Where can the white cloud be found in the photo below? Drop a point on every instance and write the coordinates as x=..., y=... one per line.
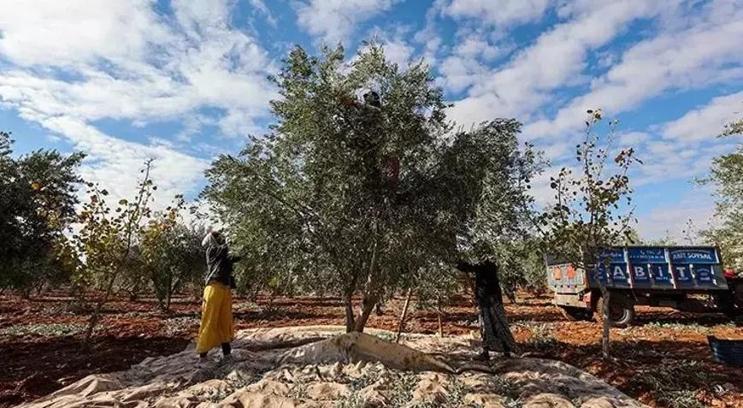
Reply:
x=671, y=220
x=72, y=32
x=706, y=122
x=260, y=7
x=428, y=36
x=335, y=20
x=499, y=12
x=707, y=51
x=70, y=63
x=459, y=73
x=468, y=63
x=556, y=59
x=398, y=52
x=115, y=163
x=475, y=45
x=201, y=62
x=633, y=138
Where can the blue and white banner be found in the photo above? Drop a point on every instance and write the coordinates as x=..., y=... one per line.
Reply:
x=683, y=273
x=703, y=273
x=640, y=273
x=646, y=255
x=693, y=256
x=660, y=273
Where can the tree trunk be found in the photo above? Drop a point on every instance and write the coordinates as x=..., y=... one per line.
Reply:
x=40, y=288
x=26, y=292
x=367, y=305
x=511, y=295
x=605, y=344
x=371, y=295
x=403, y=315
x=167, y=300
x=95, y=317
x=350, y=318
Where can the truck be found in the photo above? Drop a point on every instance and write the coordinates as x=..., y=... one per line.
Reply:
x=686, y=278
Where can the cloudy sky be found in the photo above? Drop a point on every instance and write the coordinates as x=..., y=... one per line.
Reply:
x=184, y=80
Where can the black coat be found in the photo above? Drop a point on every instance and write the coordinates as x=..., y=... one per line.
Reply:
x=494, y=329
x=487, y=285
x=219, y=265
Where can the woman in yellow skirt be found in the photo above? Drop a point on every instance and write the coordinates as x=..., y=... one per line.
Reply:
x=216, y=313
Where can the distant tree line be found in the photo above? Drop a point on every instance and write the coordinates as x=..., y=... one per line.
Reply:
x=50, y=239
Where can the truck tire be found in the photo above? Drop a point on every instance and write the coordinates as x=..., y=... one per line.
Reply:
x=621, y=313
x=576, y=313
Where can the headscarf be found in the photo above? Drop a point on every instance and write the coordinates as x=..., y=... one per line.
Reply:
x=209, y=240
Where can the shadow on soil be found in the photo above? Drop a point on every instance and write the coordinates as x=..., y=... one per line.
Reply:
x=59, y=361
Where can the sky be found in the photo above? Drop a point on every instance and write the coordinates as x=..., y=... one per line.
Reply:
x=183, y=81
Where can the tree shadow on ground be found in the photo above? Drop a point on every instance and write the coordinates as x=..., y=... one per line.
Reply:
x=35, y=367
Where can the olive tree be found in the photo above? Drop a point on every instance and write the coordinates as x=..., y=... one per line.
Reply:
x=170, y=252
x=37, y=205
x=362, y=180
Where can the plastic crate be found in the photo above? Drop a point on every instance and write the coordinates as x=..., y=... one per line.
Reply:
x=728, y=352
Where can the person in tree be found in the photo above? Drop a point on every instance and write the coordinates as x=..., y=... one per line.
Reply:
x=216, y=315
x=494, y=330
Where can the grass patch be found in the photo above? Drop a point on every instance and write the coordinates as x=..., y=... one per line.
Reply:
x=673, y=382
x=695, y=327
x=179, y=326
x=540, y=337
x=43, y=329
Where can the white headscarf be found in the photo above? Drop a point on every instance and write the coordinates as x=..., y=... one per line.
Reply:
x=209, y=240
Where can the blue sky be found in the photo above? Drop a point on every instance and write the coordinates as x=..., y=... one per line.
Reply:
x=182, y=81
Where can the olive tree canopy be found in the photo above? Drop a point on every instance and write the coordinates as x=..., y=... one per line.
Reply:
x=363, y=181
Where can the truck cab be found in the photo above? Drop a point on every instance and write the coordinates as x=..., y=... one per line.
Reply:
x=686, y=278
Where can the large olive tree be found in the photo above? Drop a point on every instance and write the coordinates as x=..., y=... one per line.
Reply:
x=362, y=180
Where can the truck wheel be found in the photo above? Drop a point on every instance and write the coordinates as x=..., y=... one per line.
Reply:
x=621, y=314
x=576, y=313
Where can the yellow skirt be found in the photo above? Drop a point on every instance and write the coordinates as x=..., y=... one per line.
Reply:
x=216, y=317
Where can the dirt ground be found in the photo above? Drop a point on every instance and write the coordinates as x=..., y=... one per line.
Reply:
x=663, y=360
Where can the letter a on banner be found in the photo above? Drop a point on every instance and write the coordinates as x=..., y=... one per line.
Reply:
x=618, y=273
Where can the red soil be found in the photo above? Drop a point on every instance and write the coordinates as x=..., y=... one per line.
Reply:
x=36, y=365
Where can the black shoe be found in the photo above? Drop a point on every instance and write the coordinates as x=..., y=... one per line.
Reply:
x=226, y=349
x=484, y=356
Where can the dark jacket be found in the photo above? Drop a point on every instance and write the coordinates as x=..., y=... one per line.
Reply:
x=219, y=265
x=487, y=285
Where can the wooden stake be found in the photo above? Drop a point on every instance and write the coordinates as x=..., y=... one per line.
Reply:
x=403, y=315
x=438, y=312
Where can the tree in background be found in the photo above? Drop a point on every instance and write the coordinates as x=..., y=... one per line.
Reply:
x=38, y=204
x=727, y=177
x=170, y=252
x=356, y=195
x=521, y=263
x=107, y=239
x=586, y=215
